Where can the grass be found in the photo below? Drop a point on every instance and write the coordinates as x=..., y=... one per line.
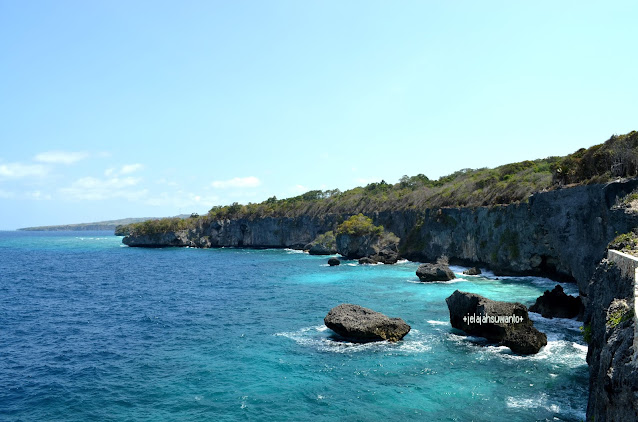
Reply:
x=618, y=317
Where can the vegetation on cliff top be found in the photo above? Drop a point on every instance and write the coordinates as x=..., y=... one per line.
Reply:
x=510, y=183
x=359, y=225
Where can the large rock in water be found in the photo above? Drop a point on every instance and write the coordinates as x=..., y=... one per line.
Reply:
x=472, y=271
x=505, y=323
x=557, y=304
x=333, y=262
x=363, y=325
x=435, y=272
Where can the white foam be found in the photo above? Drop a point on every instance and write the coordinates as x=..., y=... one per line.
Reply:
x=581, y=347
x=434, y=322
x=564, y=323
x=315, y=337
x=532, y=403
x=288, y=250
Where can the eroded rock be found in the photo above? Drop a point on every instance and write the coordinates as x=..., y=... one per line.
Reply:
x=505, y=323
x=557, y=304
x=435, y=272
x=361, y=324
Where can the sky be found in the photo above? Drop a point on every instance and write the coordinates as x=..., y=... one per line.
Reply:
x=114, y=109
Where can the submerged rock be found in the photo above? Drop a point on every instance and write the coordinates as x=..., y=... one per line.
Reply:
x=472, y=271
x=333, y=261
x=367, y=260
x=557, y=304
x=362, y=324
x=505, y=323
x=435, y=272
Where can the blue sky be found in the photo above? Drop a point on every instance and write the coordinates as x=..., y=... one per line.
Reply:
x=113, y=109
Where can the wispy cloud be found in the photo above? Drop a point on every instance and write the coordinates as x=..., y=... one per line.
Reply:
x=91, y=188
x=60, y=157
x=38, y=195
x=299, y=189
x=237, y=182
x=19, y=170
x=182, y=200
x=32, y=195
x=131, y=168
x=125, y=169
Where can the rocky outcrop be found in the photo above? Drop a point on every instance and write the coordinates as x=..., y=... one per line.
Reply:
x=361, y=324
x=324, y=244
x=435, y=272
x=557, y=304
x=561, y=233
x=609, y=330
x=366, y=260
x=334, y=262
x=383, y=249
x=505, y=323
x=472, y=271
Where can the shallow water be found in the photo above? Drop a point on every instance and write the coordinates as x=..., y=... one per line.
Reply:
x=92, y=329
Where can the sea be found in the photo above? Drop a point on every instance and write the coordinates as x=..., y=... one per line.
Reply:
x=93, y=330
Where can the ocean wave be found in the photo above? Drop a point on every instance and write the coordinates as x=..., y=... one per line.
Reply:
x=434, y=322
x=557, y=351
x=320, y=338
x=565, y=323
x=453, y=281
x=543, y=401
x=288, y=250
x=94, y=238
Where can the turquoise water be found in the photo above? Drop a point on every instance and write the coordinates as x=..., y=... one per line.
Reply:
x=94, y=330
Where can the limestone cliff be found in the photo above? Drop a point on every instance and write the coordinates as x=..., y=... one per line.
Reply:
x=613, y=368
x=560, y=233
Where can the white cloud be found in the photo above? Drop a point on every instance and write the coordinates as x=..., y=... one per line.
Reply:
x=300, y=189
x=33, y=195
x=37, y=195
x=60, y=157
x=125, y=169
x=182, y=200
x=163, y=181
x=237, y=182
x=18, y=170
x=131, y=168
x=91, y=188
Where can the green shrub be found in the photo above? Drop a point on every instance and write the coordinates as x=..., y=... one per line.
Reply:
x=359, y=225
x=586, y=330
x=619, y=316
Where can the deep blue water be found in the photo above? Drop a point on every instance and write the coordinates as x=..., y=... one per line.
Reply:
x=93, y=330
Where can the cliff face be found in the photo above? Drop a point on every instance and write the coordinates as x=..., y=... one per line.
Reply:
x=562, y=233
x=613, y=368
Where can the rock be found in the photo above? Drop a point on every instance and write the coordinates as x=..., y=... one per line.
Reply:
x=388, y=255
x=435, y=272
x=472, y=271
x=609, y=328
x=321, y=249
x=324, y=244
x=557, y=304
x=479, y=316
x=362, y=324
x=333, y=261
x=367, y=260
x=358, y=238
